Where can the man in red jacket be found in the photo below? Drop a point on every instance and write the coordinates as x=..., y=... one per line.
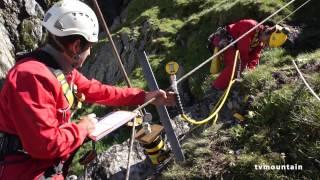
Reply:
x=37, y=135
x=250, y=47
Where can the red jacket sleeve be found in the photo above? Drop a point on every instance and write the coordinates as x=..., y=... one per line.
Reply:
x=96, y=92
x=35, y=119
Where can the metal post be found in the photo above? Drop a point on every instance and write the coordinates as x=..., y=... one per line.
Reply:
x=162, y=110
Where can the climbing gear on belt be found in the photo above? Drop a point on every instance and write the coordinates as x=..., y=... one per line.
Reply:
x=54, y=170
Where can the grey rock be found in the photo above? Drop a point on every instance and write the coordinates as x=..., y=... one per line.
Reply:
x=180, y=126
x=116, y=23
x=6, y=52
x=112, y=164
x=31, y=33
x=33, y=8
x=20, y=29
x=104, y=66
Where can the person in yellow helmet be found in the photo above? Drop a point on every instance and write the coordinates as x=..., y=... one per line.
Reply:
x=250, y=46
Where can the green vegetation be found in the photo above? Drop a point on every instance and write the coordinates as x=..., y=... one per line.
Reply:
x=28, y=42
x=283, y=128
x=179, y=30
x=284, y=123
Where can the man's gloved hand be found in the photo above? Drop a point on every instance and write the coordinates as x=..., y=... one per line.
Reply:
x=88, y=122
x=162, y=97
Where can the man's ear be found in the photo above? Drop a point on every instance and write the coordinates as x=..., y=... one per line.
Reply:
x=76, y=46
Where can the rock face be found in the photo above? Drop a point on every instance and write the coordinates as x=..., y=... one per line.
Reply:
x=104, y=57
x=113, y=163
x=20, y=30
x=103, y=65
x=112, y=9
x=6, y=55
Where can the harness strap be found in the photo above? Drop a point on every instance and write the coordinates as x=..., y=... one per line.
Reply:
x=67, y=91
x=71, y=93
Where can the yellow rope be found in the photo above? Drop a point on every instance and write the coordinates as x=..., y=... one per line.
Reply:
x=220, y=103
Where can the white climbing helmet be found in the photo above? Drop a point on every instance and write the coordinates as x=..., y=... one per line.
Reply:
x=72, y=17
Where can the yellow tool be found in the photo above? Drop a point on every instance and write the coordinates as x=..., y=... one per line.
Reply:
x=172, y=67
x=153, y=143
x=215, y=63
x=238, y=116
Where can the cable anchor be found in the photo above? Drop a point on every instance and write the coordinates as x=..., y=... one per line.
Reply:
x=172, y=68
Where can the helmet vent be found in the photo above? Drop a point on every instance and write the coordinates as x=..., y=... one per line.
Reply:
x=58, y=25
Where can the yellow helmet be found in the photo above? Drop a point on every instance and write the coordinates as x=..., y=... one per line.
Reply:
x=278, y=37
